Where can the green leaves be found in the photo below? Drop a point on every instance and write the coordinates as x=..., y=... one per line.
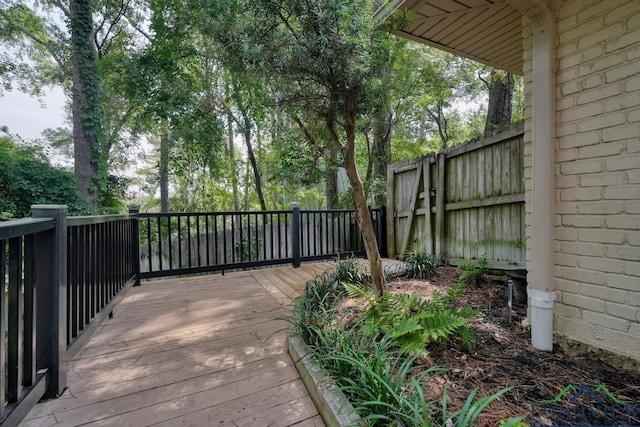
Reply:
x=421, y=265
x=27, y=178
x=375, y=358
x=411, y=322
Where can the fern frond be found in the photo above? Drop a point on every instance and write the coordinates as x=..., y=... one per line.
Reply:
x=403, y=328
x=440, y=325
x=466, y=336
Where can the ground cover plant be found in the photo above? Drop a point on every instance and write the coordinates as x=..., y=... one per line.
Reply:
x=437, y=350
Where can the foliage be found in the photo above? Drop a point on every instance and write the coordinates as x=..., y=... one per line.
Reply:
x=471, y=272
x=385, y=387
x=412, y=322
x=421, y=265
x=514, y=422
x=467, y=415
x=379, y=376
x=27, y=178
x=348, y=271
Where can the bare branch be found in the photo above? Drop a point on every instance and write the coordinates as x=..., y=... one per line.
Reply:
x=62, y=7
x=48, y=45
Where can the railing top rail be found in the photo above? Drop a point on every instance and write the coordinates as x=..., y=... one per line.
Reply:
x=74, y=221
x=218, y=213
x=230, y=213
x=26, y=226
x=337, y=211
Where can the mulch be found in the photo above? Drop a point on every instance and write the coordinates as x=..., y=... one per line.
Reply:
x=503, y=357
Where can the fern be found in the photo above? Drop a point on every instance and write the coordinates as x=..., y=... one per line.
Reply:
x=438, y=326
x=411, y=322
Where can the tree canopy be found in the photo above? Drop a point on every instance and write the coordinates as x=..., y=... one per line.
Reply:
x=239, y=104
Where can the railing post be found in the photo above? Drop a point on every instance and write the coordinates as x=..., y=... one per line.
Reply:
x=134, y=212
x=50, y=253
x=295, y=234
x=381, y=230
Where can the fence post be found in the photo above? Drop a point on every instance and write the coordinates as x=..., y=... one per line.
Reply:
x=295, y=234
x=50, y=252
x=134, y=213
x=440, y=207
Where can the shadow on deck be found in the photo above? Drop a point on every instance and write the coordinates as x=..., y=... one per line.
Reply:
x=207, y=350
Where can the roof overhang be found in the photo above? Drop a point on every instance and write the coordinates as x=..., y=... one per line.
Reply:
x=488, y=31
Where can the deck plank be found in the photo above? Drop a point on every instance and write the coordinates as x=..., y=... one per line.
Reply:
x=206, y=350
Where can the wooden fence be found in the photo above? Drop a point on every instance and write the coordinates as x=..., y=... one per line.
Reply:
x=463, y=203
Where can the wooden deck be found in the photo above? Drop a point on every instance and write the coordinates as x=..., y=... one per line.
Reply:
x=207, y=350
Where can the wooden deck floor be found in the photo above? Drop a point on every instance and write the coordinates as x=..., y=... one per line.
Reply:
x=207, y=350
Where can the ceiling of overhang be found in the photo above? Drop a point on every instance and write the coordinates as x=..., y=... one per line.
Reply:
x=488, y=31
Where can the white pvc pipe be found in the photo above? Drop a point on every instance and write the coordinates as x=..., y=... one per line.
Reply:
x=541, y=294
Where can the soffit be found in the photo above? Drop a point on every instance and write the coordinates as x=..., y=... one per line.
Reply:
x=488, y=31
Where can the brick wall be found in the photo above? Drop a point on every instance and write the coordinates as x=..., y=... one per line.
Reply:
x=597, y=246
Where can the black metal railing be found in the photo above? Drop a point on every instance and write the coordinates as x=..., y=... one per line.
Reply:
x=100, y=263
x=21, y=324
x=187, y=243
x=81, y=267
x=59, y=277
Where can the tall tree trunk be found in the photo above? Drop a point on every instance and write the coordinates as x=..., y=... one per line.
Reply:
x=252, y=159
x=331, y=184
x=500, y=103
x=232, y=161
x=164, y=167
x=381, y=153
x=86, y=103
x=363, y=216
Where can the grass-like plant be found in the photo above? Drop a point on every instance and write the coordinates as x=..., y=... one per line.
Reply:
x=314, y=311
x=471, y=273
x=385, y=387
x=467, y=415
x=348, y=271
x=421, y=265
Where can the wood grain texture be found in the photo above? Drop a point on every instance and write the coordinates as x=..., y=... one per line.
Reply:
x=206, y=350
x=479, y=202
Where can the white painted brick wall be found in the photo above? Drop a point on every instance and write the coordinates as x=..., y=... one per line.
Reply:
x=597, y=247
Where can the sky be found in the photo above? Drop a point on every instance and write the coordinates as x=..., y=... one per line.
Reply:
x=25, y=116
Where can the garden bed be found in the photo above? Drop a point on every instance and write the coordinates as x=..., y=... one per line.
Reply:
x=503, y=357
x=369, y=347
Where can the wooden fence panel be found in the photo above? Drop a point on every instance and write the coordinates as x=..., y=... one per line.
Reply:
x=481, y=187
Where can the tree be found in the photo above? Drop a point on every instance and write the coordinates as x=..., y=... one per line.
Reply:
x=27, y=178
x=501, y=86
x=86, y=103
x=320, y=57
x=170, y=82
x=45, y=52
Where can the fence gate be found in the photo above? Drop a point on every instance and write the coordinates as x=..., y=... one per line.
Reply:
x=463, y=203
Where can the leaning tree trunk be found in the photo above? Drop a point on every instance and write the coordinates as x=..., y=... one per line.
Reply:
x=85, y=102
x=500, y=100
x=254, y=163
x=363, y=216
